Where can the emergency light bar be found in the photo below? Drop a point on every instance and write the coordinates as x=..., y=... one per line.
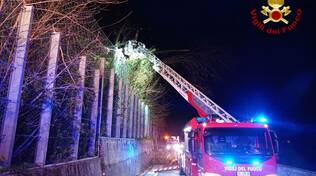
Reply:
x=202, y=120
x=262, y=119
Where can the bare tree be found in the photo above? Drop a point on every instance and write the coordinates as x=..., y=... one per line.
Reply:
x=81, y=35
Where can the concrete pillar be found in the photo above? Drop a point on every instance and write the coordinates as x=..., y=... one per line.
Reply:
x=135, y=114
x=94, y=114
x=78, y=109
x=139, y=117
x=146, y=121
x=125, y=116
x=119, y=110
x=142, y=122
x=150, y=123
x=47, y=106
x=109, y=108
x=131, y=116
x=100, y=99
x=9, y=121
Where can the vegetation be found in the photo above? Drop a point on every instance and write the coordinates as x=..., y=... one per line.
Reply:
x=80, y=35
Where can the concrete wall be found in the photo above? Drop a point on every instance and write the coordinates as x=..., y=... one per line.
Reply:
x=84, y=167
x=118, y=157
x=284, y=170
x=125, y=157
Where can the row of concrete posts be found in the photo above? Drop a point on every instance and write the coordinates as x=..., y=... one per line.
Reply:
x=132, y=116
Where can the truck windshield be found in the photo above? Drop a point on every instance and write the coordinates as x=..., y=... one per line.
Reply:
x=247, y=141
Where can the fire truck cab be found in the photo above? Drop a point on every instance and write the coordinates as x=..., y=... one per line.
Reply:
x=215, y=148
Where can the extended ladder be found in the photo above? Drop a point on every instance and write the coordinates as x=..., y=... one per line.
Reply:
x=184, y=88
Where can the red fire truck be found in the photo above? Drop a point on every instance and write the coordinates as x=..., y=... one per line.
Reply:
x=216, y=144
x=216, y=148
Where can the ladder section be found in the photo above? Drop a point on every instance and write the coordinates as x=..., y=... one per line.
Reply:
x=182, y=86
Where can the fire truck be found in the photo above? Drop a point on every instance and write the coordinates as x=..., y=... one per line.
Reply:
x=216, y=144
x=216, y=148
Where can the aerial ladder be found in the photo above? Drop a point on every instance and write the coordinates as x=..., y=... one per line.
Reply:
x=195, y=161
x=204, y=105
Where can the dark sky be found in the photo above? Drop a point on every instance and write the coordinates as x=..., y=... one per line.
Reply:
x=260, y=73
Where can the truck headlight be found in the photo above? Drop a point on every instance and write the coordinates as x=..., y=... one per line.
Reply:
x=178, y=147
x=168, y=147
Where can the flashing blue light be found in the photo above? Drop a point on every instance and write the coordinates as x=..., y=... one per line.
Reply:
x=261, y=119
x=201, y=119
x=229, y=162
x=131, y=151
x=256, y=162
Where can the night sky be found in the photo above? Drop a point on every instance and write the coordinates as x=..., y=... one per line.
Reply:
x=258, y=72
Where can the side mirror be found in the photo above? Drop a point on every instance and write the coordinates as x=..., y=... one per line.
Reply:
x=275, y=142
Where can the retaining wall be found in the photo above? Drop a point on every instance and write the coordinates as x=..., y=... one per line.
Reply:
x=84, y=167
x=118, y=157
x=125, y=157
